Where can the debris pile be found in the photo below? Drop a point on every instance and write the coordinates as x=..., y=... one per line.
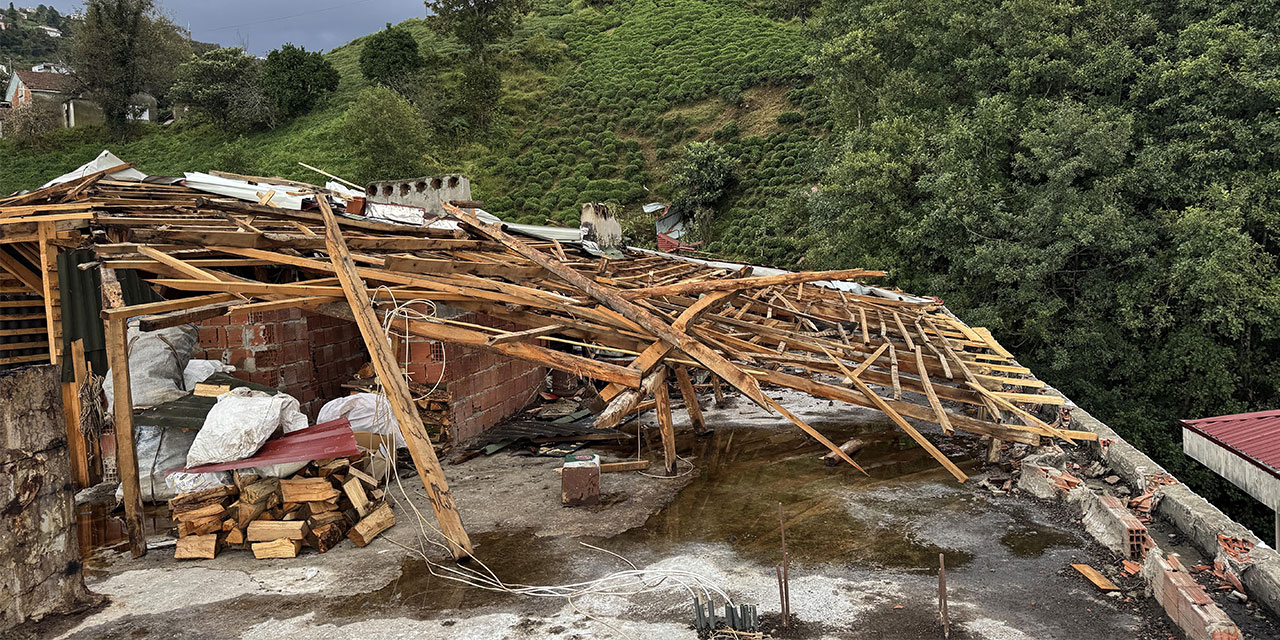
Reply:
x=319, y=506
x=628, y=320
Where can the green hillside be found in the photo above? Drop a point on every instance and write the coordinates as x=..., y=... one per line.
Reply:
x=598, y=102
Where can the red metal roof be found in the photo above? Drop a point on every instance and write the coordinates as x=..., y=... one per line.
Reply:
x=1252, y=436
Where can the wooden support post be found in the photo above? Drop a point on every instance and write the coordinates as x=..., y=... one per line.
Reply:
x=943, y=614
x=690, y=400
x=665, y=425
x=717, y=389
x=77, y=446
x=50, y=291
x=397, y=390
x=117, y=339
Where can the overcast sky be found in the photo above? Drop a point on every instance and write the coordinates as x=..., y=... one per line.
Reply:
x=262, y=25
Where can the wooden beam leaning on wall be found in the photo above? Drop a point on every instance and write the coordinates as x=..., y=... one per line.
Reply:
x=117, y=341
x=397, y=390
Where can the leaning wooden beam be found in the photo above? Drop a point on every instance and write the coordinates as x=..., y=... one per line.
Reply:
x=738, y=284
x=527, y=334
x=665, y=424
x=625, y=403
x=933, y=396
x=655, y=352
x=690, y=400
x=883, y=406
x=21, y=272
x=397, y=390
x=117, y=342
x=804, y=426
x=649, y=322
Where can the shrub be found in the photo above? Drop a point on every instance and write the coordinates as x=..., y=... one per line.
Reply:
x=224, y=85
x=480, y=91
x=387, y=135
x=390, y=55
x=295, y=79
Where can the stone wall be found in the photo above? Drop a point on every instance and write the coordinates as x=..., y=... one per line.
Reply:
x=40, y=566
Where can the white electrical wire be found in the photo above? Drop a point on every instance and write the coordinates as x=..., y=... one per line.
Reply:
x=626, y=583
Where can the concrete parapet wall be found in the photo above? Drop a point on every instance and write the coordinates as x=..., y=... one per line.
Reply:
x=1177, y=504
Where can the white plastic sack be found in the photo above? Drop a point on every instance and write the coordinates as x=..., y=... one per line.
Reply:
x=366, y=412
x=198, y=371
x=182, y=482
x=240, y=423
x=157, y=360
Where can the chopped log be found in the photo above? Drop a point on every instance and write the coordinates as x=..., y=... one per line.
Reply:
x=320, y=506
x=325, y=537
x=278, y=548
x=235, y=536
x=202, y=547
x=258, y=491
x=849, y=448
x=246, y=513
x=355, y=493
x=200, y=526
x=198, y=499
x=321, y=519
x=367, y=479
x=307, y=490
x=379, y=519
x=332, y=467
x=260, y=530
x=216, y=508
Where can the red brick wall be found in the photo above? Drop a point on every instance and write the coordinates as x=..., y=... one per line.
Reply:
x=485, y=388
x=309, y=356
x=306, y=355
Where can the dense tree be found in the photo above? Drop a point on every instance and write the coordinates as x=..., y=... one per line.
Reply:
x=294, y=79
x=122, y=48
x=1096, y=181
x=387, y=135
x=224, y=86
x=478, y=23
x=480, y=90
x=701, y=179
x=389, y=55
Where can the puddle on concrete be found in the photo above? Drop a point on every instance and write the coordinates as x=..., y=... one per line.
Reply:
x=744, y=474
x=1031, y=541
x=518, y=558
x=100, y=531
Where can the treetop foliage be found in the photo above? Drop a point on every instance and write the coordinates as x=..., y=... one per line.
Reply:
x=296, y=79
x=122, y=48
x=389, y=55
x=478, y=23
x=1096, y=181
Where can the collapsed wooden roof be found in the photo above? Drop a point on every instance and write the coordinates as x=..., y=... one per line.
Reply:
x=632, y=321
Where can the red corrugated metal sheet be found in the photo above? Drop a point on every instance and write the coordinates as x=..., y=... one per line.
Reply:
x=331, y=439
x=1252, y=436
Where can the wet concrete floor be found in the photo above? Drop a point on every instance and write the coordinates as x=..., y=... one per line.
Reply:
x=864, y=554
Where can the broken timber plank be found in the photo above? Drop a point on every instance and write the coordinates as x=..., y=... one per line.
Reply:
x=397, y=390
x=117, y=343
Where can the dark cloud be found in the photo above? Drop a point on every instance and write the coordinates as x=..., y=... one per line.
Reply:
x=262, y=25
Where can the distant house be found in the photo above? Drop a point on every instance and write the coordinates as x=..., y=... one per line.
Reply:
x=53, y=33
x=51, y=67
x=64, y=93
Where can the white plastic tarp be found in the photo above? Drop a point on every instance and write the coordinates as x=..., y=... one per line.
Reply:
x=242, y=190
x=104, y=161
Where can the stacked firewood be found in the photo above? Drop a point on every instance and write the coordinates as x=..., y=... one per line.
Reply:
x=325, y=502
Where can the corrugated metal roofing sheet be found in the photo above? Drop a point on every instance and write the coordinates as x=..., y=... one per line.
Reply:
x=1253, y=436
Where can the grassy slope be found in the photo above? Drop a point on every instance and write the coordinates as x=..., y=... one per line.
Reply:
x=597, y=105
